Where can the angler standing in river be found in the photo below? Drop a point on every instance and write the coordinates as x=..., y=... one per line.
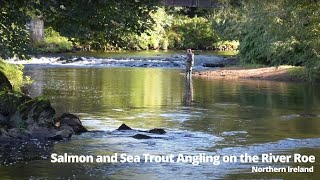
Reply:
x=189, y=63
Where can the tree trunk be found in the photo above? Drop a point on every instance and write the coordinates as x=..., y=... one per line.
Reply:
x=36, y=30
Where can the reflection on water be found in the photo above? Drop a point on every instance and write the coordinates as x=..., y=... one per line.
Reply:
x=188, y=95
x=148, y=54
x=215, y=117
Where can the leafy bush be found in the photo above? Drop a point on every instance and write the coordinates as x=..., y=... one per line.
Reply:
x=171, y=30
x=195, y=33
x=15, y=75
x=226, y=45
x=154, y=38
x=53, y=43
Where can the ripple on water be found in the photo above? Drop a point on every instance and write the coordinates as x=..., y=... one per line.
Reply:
x=118, y=110
x=172, y=141
x=233, y=133
x=181, y=117
x=278, y=146
x=183, y=114
x=226, y=104
x=294, y=116
x=105, y=124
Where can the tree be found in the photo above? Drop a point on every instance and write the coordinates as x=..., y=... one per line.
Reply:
x=102, y=21
x=86, y=21
x=14, y=36
x=274, y=32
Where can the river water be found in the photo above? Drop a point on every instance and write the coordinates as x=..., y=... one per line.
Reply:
x=215, y=117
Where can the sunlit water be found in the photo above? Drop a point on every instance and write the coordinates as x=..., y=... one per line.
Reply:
x=217, y=118
x=148, y=54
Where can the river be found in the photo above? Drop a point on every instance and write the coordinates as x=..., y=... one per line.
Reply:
x=215, y=117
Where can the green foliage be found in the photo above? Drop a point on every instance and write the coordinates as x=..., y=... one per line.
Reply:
x=14, y=37
x=274, y=32
x=195, y=33
x=226, y=45
x=174, y=30
x=53, y=42
x=153, y=38
x=15, y=75
x=297, y=72
x=104, y=25
x=101, y=22
x=89, y=22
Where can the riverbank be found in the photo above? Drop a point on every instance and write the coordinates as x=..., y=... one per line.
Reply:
x=281, y=73
x=206, y=65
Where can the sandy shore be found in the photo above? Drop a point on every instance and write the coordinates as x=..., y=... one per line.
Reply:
x=281, y=73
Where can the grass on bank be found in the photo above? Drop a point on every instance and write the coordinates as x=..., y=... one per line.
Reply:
x=298, y=72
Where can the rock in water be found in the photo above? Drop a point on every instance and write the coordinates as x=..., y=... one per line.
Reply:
x=61, y=135
x=4, y=135
x=141, y=136
x=308, y=115
x=4, y=82
x=157, y=131
x=124, y=127
x=3, y=120
x=35, y=112
x=79, y=59
x=23, y=118
x=10, y=101
x=70, y=122
x=40, y=133
x=213, y=65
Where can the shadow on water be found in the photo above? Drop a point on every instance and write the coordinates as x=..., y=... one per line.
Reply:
x=200, y=116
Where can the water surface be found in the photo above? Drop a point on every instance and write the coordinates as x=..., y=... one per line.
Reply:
x=147, y=54
x=216, y=117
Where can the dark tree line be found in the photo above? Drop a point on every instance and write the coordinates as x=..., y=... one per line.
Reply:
x=84, y=20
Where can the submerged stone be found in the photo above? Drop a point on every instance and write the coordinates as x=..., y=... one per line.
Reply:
x=308, y=115
x=79, y=59
x=213, y=65
x=141, y=136
x=61, y=135
x=157, y=131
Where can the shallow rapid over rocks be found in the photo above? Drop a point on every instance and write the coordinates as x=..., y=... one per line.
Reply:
x=161, y=61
